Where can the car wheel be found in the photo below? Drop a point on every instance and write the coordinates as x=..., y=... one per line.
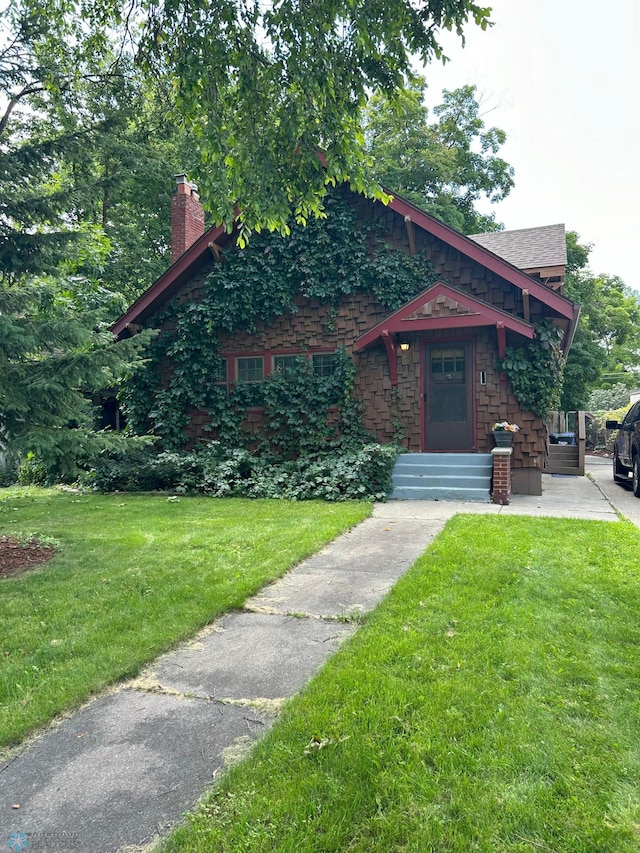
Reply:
x=619, y=472
x=636, y=476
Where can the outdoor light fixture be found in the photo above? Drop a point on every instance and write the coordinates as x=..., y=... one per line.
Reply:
x=404, y=346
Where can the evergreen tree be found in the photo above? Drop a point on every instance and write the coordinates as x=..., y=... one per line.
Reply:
x=55, y=356
x=56, y=353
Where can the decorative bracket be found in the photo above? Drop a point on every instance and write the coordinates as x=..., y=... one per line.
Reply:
x=216, y=251
x=389, y=345
x=502, y=348
x=410, y=234
x=502, y=339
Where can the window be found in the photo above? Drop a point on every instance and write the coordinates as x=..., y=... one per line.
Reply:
x=250, y=369
x=325, y=363
x=632, y=416
x=447, y=365
x=285, y=363
x=221, y=374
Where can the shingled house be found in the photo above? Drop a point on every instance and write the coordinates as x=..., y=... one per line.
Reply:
x=432, y=363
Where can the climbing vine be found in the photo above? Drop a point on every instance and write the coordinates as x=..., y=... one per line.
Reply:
x=535, y=372
x=326, y=260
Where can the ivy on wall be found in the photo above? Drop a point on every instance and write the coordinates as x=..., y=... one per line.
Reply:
x=326, y=260
x=535, y=372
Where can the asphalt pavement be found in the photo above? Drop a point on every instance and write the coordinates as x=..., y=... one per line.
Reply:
x=119, y=773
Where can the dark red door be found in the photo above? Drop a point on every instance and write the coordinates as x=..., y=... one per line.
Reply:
x=448, y=397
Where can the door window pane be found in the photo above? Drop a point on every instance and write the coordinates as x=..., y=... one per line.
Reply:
x=447, y=365
x=448, y=403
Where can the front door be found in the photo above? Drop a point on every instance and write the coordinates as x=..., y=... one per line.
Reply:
x=448, y=397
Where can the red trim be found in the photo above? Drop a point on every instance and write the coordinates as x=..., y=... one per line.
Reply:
x=165, y=287
x=423, y=378
x=267, y=357
x=484, y=315
x=169, y=282
x=391, y=357
x=482, y=256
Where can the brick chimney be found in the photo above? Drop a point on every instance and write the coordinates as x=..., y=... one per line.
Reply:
x=187, y=217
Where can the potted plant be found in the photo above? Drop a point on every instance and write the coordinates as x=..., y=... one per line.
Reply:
x=503, y=433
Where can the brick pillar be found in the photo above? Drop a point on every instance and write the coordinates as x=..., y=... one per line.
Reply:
x=187, y=218
x=501, y=491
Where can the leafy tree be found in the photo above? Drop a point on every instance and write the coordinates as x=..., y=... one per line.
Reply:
x=263, y=86
x=266, y=85
x=607, y=399
x=122, y=175
x=607, y=339
x=444, y=166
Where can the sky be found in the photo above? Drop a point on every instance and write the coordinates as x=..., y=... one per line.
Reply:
x=562, y=79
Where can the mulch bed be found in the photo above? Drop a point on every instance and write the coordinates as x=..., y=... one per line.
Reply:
x=17, y=556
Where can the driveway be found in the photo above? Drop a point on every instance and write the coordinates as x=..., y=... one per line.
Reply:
x=600, y=471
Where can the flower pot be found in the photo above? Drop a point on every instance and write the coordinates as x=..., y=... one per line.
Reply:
x=503, y=437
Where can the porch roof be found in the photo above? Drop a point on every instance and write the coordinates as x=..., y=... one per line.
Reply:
x=468, y=312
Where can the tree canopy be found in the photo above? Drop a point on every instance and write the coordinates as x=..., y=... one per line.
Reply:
x=444, y=166
x=262, y=86
x=67, y=149
x=607, y=341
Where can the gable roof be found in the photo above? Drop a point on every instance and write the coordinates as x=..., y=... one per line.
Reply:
x=463, y=310
x=527, y=248
x=169, y=283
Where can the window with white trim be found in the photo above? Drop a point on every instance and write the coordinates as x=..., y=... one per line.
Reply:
x=285, y=364
x=250, y=369
x=325, y=363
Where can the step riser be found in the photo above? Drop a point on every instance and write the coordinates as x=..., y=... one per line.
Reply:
x=440, y=471
x=442, y=494
x=442, y=458
x=440, y=480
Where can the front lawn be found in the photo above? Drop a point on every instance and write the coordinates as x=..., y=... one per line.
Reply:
x=491, y=703
x=135, y=574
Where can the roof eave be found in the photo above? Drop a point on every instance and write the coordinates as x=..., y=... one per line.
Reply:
x=483, y=256
x=164, y=287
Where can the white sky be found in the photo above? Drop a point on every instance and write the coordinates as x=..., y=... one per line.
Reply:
x=562, y=78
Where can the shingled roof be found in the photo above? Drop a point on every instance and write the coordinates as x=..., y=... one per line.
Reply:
x=527, y=248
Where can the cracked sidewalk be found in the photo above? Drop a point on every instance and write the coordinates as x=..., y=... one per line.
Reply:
x=118, y=773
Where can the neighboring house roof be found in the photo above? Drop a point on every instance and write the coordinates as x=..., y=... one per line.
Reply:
x=169, y=283
x=527, y=248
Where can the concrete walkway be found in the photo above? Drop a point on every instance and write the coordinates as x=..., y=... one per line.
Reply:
x=118, y=773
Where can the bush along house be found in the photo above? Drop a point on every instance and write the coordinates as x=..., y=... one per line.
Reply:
x=424, y=338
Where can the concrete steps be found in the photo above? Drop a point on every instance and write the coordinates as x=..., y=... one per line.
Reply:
x=442, y=476
x=563, y=459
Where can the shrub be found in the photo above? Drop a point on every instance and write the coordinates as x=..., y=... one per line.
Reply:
x=32, y=471
x=363, y=474
x=608, y=399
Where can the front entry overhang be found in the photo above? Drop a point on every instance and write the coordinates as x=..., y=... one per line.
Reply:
x=441, y=306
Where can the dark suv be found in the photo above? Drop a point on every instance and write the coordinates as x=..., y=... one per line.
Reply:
x=626, y=450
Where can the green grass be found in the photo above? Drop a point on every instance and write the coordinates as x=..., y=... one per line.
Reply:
x=491, y=703
x=135, y=575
